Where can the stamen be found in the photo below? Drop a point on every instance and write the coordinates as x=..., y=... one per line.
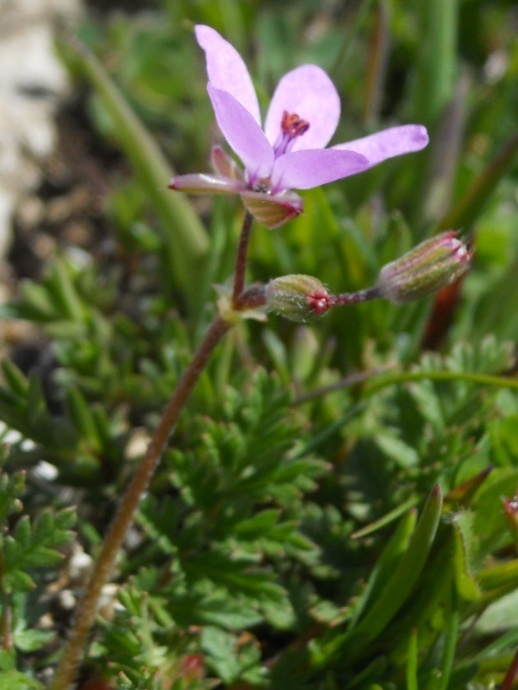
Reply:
x=292, y=126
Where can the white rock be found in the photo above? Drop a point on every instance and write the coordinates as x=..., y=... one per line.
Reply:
x=33, y=82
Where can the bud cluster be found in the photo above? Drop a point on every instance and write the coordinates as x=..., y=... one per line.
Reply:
x=430, y=266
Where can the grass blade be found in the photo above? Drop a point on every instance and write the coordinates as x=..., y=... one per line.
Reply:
x=184, y=236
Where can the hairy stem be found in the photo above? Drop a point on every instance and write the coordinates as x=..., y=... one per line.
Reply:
x=239, y=277
x=103, y=568
x=347, y=298
x=511, y=674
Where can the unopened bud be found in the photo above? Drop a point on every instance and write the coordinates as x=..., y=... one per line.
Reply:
x=432, y=265
x=297, y=297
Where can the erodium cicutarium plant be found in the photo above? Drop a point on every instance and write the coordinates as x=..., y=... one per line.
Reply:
x=290, y=152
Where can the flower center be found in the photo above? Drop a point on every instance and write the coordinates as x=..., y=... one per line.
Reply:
x=292, y=126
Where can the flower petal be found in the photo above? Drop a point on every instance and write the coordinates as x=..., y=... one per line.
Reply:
x=224, y=165
x=308, y=169
x=226, y=69
x=310, y=93
x=243, y=133
x=270, y=210
x=388, y=143
x=199, y=183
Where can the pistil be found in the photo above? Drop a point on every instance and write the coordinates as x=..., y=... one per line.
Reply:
x=292, y=126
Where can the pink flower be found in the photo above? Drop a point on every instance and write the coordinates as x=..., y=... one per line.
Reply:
x=290, y=152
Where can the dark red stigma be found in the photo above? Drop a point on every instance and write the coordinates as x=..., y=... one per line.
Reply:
x=319, y=302
x=293, y=125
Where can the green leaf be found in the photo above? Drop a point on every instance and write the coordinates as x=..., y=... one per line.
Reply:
x=34, y=546
x=470, y=205
x=464, y=538
x=11, y=488
x=386, y=520
x=450, y=642
x=396, y=591
x=259, y=524
x=82, y=416
x=412, y=662
x=65, y=293
x=397, y=450
x=227, y=657
x=15, y=680
x=386, y=563
x=499, y=575
x=406, y=572
x=31, y=640
x=499, y=616
x=16, y=381
x=7, y=660
x=436, y=70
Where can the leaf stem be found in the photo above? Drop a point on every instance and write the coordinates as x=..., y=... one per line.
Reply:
x=453, y=376
x=384, y=381
x=103, y=568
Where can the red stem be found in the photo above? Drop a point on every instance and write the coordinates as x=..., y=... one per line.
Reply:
x=103, y=568
x=347, y=298
x=511, y=674
x=239, y=277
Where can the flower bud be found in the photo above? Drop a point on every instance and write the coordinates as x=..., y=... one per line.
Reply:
x=297, y=297
x=432, y=265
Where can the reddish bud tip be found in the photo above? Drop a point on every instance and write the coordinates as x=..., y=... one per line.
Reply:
x=298, y=297
x=430, y=266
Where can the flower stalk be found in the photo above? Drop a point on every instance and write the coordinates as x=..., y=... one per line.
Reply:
x=104, y=566
x=242, y=250
x=347, y=298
